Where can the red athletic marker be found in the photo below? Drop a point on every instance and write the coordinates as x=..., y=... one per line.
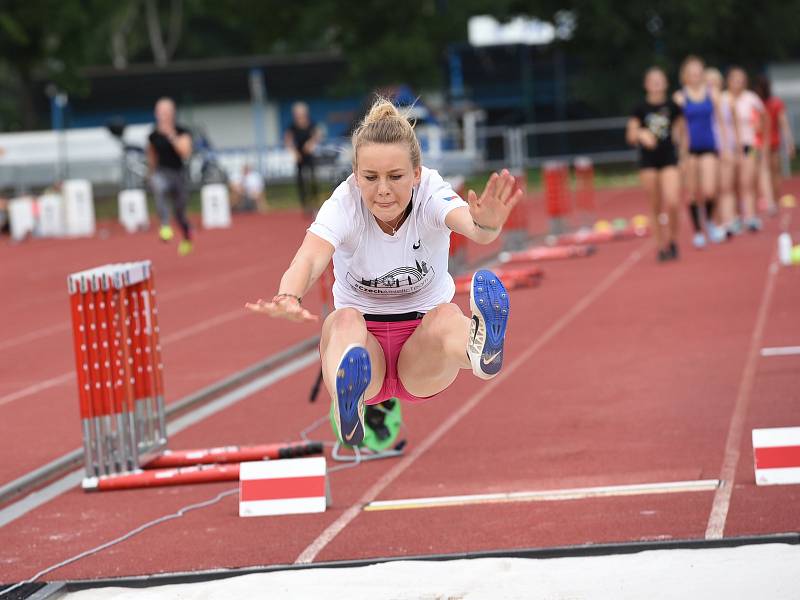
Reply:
x=776, y=455
x=282, y=487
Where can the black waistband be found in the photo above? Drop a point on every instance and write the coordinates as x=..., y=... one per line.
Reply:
x=411, y=316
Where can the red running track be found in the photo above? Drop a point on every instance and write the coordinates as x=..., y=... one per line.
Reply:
x=619, y=370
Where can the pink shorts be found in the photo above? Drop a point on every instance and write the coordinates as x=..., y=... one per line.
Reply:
x=391, y=336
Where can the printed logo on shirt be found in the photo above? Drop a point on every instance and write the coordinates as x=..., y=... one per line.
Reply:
x=417, y=245
x=399, y=281
x=449, y=198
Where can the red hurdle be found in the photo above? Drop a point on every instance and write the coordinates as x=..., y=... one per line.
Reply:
x=121, y=389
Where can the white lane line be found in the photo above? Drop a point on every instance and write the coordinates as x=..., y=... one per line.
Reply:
x=781, y=351
x=33, y=335
x=315, y=547
x=203, y=325
x=174, y=337
x=36, y=499
x=722, y=497
x=37, y=387
x=639, y=489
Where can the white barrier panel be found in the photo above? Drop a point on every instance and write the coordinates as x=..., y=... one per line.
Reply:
x=51, y=216
x=282, y=487
x=133, y=210
x=78, y=207
x=216, y=207
x=21, y=217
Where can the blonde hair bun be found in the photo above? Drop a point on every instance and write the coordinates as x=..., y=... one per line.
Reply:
x=382, y=109
x=385, y=124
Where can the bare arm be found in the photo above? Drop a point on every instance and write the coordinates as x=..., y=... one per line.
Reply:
x=460, y=221
x=632, y=131
x=723, y=133
x=486, y=215
x=183, y=145
x=786, y=132
x=312, y=142
x=151, y=156
x=307, y=265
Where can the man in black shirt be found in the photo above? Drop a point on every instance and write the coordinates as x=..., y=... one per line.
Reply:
x=169, y=145
x=301, y=138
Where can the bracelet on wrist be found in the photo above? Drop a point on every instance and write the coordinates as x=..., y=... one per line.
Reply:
x=298, y=298
x=484, y=227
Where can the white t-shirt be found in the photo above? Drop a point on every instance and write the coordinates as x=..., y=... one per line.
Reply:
x=378, y=273
x=252, y=183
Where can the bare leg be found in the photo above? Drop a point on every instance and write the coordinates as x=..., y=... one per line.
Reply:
x=765, y=187
x=748, y=167
x=434, y=354
x=709, y=185
x=727, y=198
x=775, y=172
x=671, y=199
x=649, y=179
x=342, y=328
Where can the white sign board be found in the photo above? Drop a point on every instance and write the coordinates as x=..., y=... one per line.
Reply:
x=282, y=487
x=78, y=207
x=133, y=210
x=21, y=217
x=216, y=207
x=51, y=216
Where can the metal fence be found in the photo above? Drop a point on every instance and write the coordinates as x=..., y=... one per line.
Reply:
x=36, y=160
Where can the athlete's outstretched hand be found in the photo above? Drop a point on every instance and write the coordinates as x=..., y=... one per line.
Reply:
x=492, y=208
x=285, y=307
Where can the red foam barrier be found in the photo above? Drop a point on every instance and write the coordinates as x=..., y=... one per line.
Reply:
x=231, y=454
x=163, y=477
x=540, y=253
x=511, y=278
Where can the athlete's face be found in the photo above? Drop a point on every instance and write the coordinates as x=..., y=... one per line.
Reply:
x=386, y=177
x=655, y=83
x=693, y=73
x=713, y=80
x=737, y=81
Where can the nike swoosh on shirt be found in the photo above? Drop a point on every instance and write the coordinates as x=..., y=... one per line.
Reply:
x=490, y=360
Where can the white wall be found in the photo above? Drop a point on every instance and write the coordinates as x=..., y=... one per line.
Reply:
x=231, y=125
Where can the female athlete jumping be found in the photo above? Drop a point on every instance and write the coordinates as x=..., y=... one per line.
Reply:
x=394, y=332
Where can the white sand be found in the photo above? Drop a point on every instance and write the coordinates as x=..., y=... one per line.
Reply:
x=768, y=571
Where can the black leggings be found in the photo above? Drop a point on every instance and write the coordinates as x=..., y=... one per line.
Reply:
x=171, y=187
x=305, y=180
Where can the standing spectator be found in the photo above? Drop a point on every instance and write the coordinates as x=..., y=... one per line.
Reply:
x=776, y=131
x=247, y=191
x=169, y=145
x=302, y=138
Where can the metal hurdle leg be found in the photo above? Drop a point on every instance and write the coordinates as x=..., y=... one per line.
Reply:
x=155, y=357
x=82, y=372
x=127, y=371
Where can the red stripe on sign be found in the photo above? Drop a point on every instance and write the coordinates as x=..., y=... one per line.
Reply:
x=779, y=457
x=278, y=489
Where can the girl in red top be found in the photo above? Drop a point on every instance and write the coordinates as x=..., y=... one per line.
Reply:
x=777, y=131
